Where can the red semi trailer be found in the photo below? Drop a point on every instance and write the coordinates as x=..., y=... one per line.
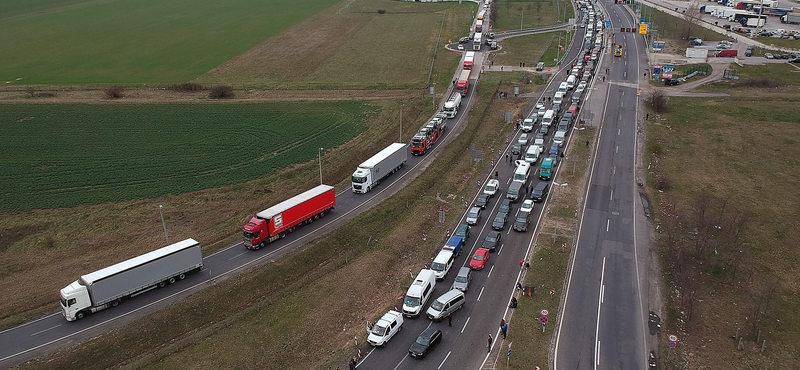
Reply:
x=462, y=85
x=274, y=222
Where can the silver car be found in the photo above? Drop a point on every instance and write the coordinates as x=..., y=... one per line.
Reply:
x=462, y=279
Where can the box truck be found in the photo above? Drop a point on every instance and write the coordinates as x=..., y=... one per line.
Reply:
x=728, y=53
x=109, y=286
x=462, y=85
x=454, y=244
x=274, y=222
x=469, y=59
x=370, y=173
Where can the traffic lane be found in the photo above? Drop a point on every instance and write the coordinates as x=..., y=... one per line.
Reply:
x=577, y=335
x=619, y=348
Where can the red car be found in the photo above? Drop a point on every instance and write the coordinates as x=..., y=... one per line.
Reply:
x=478, y=261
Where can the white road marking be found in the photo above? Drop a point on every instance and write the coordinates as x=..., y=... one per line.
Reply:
x=445, y=359
x=465, y=326
x=42, y=331
x=500, y=250
x=597, y=327
x=616, y=149
x=401, y=361
x=236, y=256
x=480, y=294
x=608, y=224
x=490, y=274
x=612, y=195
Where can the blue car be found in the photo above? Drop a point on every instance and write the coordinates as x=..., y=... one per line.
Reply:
x=554, y=149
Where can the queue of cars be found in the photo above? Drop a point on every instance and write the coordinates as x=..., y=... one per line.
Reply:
x=421, y=290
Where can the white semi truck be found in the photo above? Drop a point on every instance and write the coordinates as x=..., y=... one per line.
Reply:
x=109, y=286
x=370, y=173
x=476, y=42
x=451, y=105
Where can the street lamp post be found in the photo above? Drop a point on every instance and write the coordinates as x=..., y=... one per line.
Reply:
x=319, y=153
x=164, y=224
x=401, y=123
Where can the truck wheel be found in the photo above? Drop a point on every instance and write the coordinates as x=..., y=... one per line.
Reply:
x=181, y=276
x=261, y=245
x=172, y=280
x=310, y=220
x=282, y=235
x=79, y=315
x=162, y=284
x=115, y=303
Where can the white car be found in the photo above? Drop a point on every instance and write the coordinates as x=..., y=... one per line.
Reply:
x=581, y=87
x=491, y=187
x=523, y=140
x=460, y=47
x=527, y=206
x=390, y=324
x=540, y=109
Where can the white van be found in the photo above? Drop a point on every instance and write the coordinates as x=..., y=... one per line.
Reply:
x=522, y=171
x=548, y=117
x=527, y=125
x=562, y=88
x=559, y=138
x=532, y=155
x=442, y=263
x=419, y=292
x=446, y=304
x=571, y=82
x=559, y=97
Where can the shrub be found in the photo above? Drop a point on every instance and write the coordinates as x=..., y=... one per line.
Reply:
x=381, y=11
x=114, y=92
x=221, y=92
x=186, y=86
x=757, y=82
x=663, y=182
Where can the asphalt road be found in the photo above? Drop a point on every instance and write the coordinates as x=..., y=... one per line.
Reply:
x=602, y=326
x=465, y=343
x=53, y=332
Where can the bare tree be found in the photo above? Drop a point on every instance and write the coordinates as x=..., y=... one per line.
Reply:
x=690, y=20
x=764, y=299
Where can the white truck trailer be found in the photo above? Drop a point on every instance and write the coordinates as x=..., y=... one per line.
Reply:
x=370, y=173
x=476, y=42
x=451, y=105
x=109, y=286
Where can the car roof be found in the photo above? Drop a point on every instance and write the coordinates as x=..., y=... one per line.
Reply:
x=464, y=271
x=429, y=331
x=495, y=233
x=481, y=251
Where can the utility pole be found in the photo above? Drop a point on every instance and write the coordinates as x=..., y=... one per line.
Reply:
x=401, y=123
x=319, y=153
x=160, y=207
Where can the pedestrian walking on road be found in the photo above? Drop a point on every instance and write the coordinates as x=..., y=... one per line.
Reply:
x=496, y=175
x=449, y=319
x=587, y=143
x=506, y=156
x=647, y=117
x=489, y=347
x=521, y=264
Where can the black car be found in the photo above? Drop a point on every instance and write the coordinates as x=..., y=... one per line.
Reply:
x=516, y=149
x=425, y=342
x=482, y=201
x=492, y=240
x=505, y=207
x=464, y=40
x=499, y=222
x=521, y=222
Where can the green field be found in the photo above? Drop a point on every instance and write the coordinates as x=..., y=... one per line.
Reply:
x=355, y=47
x=513, y=14
x=64, y=155
x=726, y=220
x=145, y=41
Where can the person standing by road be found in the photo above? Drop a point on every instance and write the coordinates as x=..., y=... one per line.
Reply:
x=504, y=330
x=489, y=347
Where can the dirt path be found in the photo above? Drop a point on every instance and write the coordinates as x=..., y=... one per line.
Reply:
x=718, y=69
x=61, y=95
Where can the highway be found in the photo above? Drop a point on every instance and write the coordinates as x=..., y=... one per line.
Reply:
x=604, y=315
x=53, y=332
x=465, y=344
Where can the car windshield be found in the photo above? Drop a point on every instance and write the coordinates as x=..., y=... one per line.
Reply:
x=498, y=219
x=437, y=266
x=521, y=219
x=461, y=279
x=491, y=238
x=412, y=301
x=478, y=257
x=436, y=305
x=379, y=330
x=472, y=215
x=359, y=180
x=423, y=340
x=489, y=187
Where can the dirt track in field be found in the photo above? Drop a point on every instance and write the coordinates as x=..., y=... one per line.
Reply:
x=152, y=96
